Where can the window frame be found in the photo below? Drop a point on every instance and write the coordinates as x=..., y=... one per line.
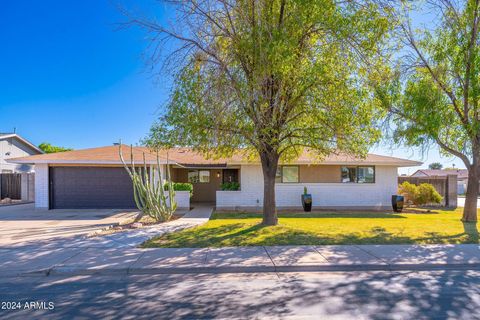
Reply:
x=356, y=174
x=197, y=171
x=199, y=176
x=280, y=168
x=196, y=174
x=374, y=174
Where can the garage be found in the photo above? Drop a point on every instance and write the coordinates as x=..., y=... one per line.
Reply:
x=90, y=188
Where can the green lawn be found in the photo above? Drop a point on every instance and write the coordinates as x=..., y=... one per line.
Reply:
x=243, y=229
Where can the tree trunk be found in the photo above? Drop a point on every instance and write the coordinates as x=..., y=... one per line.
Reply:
x=470, y=209
x=269, y=168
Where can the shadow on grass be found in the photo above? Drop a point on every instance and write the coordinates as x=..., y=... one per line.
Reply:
x=245, y=234
x=224, y=235
x=249, y=215
x=470, y=228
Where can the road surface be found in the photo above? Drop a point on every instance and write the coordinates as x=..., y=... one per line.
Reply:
x=359, y=295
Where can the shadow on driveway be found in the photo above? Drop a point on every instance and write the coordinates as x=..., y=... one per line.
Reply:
x=22, y=223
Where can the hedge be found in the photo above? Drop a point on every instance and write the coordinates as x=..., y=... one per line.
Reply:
x=230, y=186
x=181, y=186
x=423, y=194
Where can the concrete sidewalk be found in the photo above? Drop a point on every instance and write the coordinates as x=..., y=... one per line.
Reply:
x=118, y=253
x=108, y=261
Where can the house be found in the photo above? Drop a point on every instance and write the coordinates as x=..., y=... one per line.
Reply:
x=95, y=178
x=13, y=146
x=462, y=176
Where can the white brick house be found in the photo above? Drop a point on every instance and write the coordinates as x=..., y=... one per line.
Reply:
x=95, y=178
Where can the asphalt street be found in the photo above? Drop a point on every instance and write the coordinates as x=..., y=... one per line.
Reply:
x=346, y=295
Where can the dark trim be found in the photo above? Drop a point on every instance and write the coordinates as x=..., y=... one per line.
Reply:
x=203, y=166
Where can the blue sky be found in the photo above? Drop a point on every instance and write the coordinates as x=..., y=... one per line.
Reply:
x=68, y=76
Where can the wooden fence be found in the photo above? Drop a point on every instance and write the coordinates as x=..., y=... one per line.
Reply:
x=445, y=185
x=11, y=186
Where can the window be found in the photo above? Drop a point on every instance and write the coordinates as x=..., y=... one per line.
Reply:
x=199, y=176
x=366, y=175
x=204, y=176
x=358, y=174
x=349, y=174
x=287, y=174
x=193, y=176
x=278, y=175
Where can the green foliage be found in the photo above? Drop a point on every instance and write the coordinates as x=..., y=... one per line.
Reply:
x=441, y=94
x=425, y=193
x=180, y=186
x=435, y=97
x=48, y=148
x=150, y=197
x=294, y=75
x=409, y=191
x=435, y=166
x=230, y=186
x=305, y=190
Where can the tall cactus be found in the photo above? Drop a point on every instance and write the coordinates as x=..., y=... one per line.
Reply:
x=150, y=197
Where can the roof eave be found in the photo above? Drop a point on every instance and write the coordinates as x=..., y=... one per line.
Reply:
x=25, y=141
x=91, y=162
x=366, y=163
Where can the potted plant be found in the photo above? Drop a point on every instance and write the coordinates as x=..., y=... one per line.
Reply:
x=306, y=200
x=397, y=202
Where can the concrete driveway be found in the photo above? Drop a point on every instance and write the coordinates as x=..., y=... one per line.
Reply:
x=22, y=223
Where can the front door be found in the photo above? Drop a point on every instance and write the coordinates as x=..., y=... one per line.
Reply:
x=205, y=183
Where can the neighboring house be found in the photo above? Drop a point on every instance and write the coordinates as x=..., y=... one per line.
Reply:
x=462, y=176
x=13, y=146
x=95, y=178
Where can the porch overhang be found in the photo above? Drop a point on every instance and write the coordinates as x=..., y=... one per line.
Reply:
x=203, y=166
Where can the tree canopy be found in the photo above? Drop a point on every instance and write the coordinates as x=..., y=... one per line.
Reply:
x=441, y=91
x=279, y=74
x=48, y=148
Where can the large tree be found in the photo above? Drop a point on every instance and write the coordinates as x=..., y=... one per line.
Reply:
x=272, y=78
x=440, y=101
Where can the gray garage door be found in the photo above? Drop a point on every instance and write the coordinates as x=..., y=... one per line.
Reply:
x=90, y=188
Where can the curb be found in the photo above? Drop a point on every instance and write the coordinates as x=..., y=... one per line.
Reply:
x=60, y=271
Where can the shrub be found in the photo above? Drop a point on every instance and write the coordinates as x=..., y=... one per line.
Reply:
x=181, y=186
x=409, y=191
x=419, y=195
x=428, y=194
x=230, y=186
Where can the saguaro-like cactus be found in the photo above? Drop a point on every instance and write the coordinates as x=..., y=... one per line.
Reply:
x=150, y=196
